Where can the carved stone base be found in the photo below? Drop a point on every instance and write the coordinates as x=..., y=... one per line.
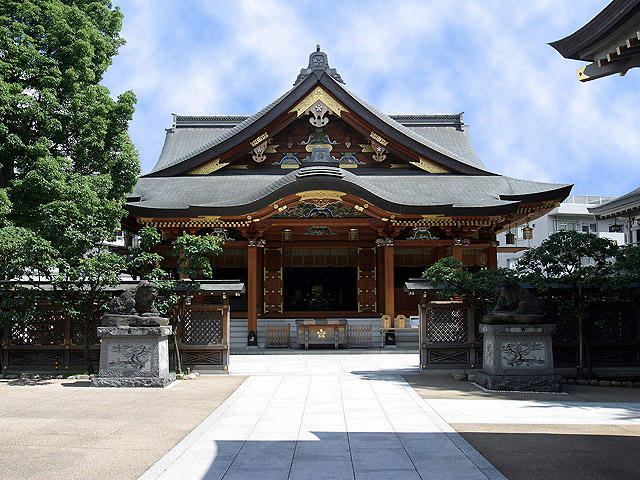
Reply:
x=518, y=357
x=134, y=357
x=523, y=383
x=159, y=382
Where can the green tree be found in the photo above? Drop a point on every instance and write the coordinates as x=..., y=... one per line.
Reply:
x=82, y=290
x=142, y=261
x=450, y=274
x=193, y=254
x=570, y=258
x=66, y=160
x=582, y=261
x=628, y=264
x=25, y=260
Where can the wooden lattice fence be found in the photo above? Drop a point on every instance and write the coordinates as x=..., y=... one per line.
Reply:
x=52, y=342
x=359, y=336
x=277, y=335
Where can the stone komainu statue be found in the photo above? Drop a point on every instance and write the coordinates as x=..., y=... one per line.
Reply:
x=512, y=298
x=138, y=300
x=515, y=305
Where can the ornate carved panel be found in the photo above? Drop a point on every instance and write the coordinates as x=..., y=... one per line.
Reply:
x=310, y=210
x=273, y=280
x=367, y=291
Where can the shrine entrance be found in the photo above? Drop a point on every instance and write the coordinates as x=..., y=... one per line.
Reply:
x=319, y=289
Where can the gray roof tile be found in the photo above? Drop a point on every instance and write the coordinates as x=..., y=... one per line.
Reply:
x=244, y=193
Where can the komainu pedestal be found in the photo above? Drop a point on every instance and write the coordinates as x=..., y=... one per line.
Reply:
x=518, y=358
x=134, y=348
x=134, y=357
x=518, y=353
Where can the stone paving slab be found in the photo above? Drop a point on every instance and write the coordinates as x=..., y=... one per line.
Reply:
x=342, y=417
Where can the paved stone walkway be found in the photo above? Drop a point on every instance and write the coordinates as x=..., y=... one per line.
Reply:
x=324, y=417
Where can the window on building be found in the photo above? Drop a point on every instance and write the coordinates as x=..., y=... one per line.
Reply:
x=590, y=227
x=566, y=226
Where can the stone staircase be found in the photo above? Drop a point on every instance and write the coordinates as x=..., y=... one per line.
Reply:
x=405, y=340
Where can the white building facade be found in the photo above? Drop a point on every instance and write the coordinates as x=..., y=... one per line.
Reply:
x=572, y=214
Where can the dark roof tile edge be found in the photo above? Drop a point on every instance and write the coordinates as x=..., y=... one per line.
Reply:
x=611, y=17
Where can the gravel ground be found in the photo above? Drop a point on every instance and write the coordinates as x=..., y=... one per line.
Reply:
x=529, y=450
x=67, y=429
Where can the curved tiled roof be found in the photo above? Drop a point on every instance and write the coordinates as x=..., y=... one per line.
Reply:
x=449, y=155
x=624, y=204
x=247, y=192
x=191, y=133
x=613, y=16
x=447, y=150
x=167, y=161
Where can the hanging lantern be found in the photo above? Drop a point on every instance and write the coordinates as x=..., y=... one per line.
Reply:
x=510, y=238
x=352, y=235
x=527, y=233
x=287, y=235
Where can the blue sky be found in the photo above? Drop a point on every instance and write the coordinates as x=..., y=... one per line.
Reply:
x=529, y=116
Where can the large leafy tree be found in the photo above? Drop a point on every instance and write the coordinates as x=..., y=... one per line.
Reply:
x=582, y=263
x=570, y=258
x=193, y=255
x=66, y=160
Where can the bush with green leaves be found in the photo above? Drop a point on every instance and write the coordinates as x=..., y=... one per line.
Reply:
x=451, y=275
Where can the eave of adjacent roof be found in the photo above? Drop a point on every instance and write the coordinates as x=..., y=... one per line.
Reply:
x=256, y=124
x=625, y=204
x=612, y=17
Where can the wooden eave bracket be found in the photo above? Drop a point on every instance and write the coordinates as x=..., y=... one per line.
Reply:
x=429, y=166
x=208, y=167
x=619, y=61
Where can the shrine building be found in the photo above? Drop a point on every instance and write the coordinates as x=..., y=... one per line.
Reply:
x=328, y=205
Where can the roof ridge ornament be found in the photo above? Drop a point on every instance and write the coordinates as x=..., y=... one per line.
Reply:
x=318, y=64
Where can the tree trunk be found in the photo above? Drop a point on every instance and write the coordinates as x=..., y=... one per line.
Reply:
x=175, y=338
x=178, y=360
x=85, y=342
x=6, y=172
x=584, y=357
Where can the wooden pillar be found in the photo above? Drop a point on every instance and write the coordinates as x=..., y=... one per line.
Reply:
x=492, y=256
x=441, y=252
x=389, y=300
x=456, y=252
x=252, y=295
x=380, y=295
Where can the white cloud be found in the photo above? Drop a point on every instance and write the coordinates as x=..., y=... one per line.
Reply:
x=529, y=116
